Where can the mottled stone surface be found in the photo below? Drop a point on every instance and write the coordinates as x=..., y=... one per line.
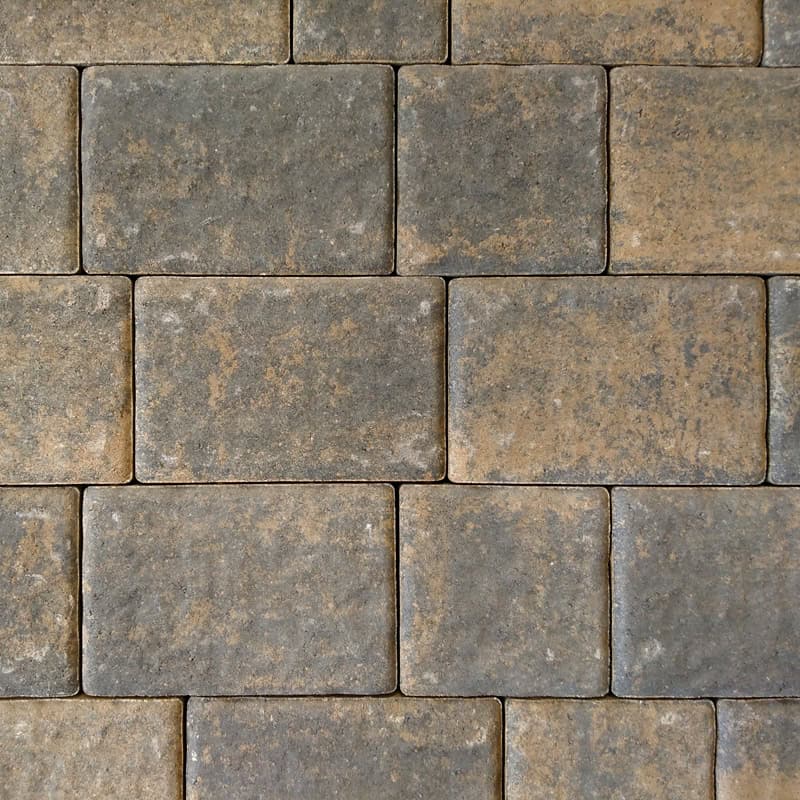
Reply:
x=705, y=588
x=238, y=170
x=704, y=170
x=239, y=590
x=91, y=749
x=758, y=750
x=65, y=380
x=782, y=33
x=501, y=170
x=38, y=169
x=607, y=380
x=394, y=31
x=586, y=750
x=289, y=379
x=784, y=380
x=503, y=590
x=38, y=592
x=394, y=748
x=85, y=32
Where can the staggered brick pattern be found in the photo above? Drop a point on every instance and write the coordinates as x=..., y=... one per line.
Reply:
x=400, y=398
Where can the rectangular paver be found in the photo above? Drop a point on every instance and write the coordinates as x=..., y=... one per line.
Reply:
x=65, y=380
x=501, y=170
x=314, y=749
x=239, y=590
x=782, y=33
x=704, y=170
x=503, y=590
x=607, y=380
x=289, y=379
x=705, y=588
x=238, y=170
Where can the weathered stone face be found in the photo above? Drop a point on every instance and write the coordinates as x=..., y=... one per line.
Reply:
x=239, y=590
x=395, y=31
x=91, y=749
x=503, y=590
x=758, y=749
x=489, y=180
x=560, y=749
x=705, y=588
x=704, y=170
x=39, y=592
x=782, y=33
x=611, y=32
x=38, y=169
x=65, y=380
x=256, y=170
x=56, y=32
x=607, y=380
x=290, y=379
x=393, y=747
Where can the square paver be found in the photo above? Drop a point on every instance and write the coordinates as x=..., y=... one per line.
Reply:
x=503, y=590
x=239, y=590
x=705, y=587
x=501, y=170
x=607, y=380
x=782, y=33
x=315, y=749
x=38, y=169
x=39, y=592
x=586, y=750
x=238, y=170
x=65, y=380
x=704, y=170
x=256, y=379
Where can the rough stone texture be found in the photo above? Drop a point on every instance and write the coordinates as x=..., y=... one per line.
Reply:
x=359, y=748
x=239, y=590
x=503, y=590
x=782, y=33
x=65, y=380
x=784, y=380
x=91, y=749
x=758, y=750
x=253, y=170
x=607, y=380
x=501, y=170
x=704, y=170
x=705, y=588
x=289, y=379
x=609, y=32
x=38, y=169
x=394, y=31
x=85, y=32
x=586, y=750
x=38, y=592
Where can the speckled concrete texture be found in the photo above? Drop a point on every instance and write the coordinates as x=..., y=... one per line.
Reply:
x=782, y=33
x=314, y=749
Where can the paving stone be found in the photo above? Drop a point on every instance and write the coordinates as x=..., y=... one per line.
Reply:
x=704, y=170
x=392, y=747
x=38, y=169
x=782, y=33
x=501, y=170
x=394, y=31
x=252, y=170
x=607, y=380
x=582, y=750
x=289, y=379
x=705, y=588
x=85, y=32
x=784, y=380
x=239, y=590
x=39, y=592
x=758, y=750
x=611, y=32
x=91, y=749
x=65, y=379
x=503, y=590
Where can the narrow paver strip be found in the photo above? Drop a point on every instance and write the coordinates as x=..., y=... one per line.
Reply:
x=782, y=33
